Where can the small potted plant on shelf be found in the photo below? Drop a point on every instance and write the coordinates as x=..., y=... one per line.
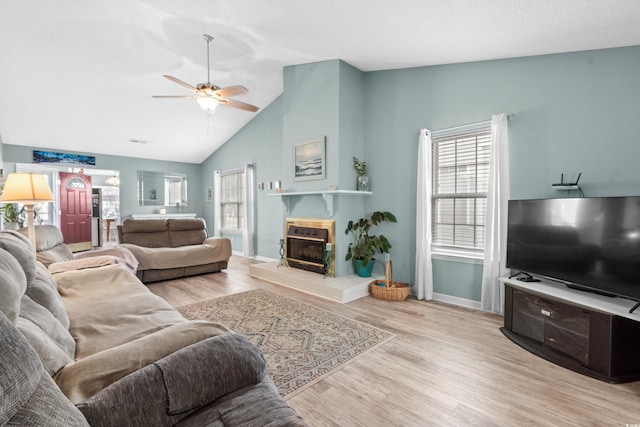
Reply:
x=366, y=245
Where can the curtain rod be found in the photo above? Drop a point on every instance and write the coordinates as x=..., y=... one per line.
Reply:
x=470, y=125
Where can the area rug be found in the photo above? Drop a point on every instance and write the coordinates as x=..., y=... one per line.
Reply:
x=301, y=343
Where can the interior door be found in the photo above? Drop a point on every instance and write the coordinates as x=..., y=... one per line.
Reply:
x=75, y=210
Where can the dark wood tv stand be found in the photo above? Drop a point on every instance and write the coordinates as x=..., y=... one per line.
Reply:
x=588, y=333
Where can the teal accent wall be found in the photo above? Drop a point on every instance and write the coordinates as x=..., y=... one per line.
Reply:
x=575, y=112
x=453, y=278
x=128, y=168
x=259, y=143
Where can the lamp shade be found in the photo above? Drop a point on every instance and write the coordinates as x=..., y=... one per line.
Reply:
x=26, y=188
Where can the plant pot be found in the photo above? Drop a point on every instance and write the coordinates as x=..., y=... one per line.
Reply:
x=363, y=183
x=11, y=226
x=364, y=271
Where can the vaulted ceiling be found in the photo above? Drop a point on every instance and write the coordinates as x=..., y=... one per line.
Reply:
x=78, y=75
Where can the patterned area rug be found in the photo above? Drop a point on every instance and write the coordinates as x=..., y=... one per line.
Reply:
x=301, y=343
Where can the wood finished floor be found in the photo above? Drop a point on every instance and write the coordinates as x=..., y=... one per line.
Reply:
x=448, y=366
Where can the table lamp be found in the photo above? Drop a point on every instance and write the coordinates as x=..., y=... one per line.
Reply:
x=28, y=189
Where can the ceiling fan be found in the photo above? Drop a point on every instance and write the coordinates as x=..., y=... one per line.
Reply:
x=208, y=95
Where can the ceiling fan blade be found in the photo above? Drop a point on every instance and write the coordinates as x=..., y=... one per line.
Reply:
x=176, y=96
x=238, y=104
x=180, y=82
x=231, y=91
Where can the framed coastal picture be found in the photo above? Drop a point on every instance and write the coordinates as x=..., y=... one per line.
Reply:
x=309, y=160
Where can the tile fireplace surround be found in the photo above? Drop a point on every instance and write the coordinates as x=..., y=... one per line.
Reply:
x=340, y=289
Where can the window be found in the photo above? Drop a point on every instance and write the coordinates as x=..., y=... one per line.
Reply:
x=460, y=184
x=232, y=198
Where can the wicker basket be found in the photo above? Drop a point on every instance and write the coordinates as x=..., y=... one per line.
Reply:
x=387, y=289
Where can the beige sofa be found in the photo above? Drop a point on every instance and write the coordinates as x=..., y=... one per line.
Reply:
x=171, y=248
x=120, y=354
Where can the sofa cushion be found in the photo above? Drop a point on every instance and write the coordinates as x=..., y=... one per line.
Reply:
x=30, y=300
x=51, y=340
x=29, y=395
x=50, y=245
x=185, y=224
x=90, y=262
x=87, y=376
x=185, y=256
x=108, y=306
x=44, y=291
x=152, y=233
x=215, y=367
x=187, y=237
x=18, y=246
x=13, y=284
x=53, y=357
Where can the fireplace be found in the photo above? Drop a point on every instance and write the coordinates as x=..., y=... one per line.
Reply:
x=306, y=242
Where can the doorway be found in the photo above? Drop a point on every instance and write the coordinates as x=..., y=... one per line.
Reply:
x=108, y=206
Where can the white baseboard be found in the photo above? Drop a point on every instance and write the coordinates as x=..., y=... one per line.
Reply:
x=463, y=302
x=256, y=257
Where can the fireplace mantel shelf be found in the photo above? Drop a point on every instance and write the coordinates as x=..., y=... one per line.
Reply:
x=327, y=195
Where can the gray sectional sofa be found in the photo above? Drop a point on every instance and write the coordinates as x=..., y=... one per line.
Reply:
x=95, y=346
x=172, y=248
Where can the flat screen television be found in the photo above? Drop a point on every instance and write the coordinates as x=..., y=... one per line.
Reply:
x=591, y=244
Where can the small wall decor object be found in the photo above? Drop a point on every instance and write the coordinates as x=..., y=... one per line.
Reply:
x=209, y=194
x=268, y=185
x=361, y=169
x=309, y=160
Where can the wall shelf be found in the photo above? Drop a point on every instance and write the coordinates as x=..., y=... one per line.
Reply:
x=327, y=195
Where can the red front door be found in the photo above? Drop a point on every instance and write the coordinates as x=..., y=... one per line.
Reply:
x=75, y=209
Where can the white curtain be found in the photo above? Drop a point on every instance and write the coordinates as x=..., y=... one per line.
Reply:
x=217, y=207
x=495, y=244
x=423, y=287
x=247, y=233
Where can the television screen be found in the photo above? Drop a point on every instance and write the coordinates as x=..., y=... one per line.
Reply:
x=587, y=243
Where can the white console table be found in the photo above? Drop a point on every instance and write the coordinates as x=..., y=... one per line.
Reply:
x=163, y=216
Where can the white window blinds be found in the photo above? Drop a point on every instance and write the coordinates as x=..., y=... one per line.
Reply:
x=232, y=198
x=460, y=180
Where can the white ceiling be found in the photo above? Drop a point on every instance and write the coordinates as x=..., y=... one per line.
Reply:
x=78, y=75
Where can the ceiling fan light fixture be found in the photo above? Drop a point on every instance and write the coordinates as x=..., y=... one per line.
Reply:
x=208, y=104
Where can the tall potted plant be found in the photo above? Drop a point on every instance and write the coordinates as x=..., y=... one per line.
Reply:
x=365, y=245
